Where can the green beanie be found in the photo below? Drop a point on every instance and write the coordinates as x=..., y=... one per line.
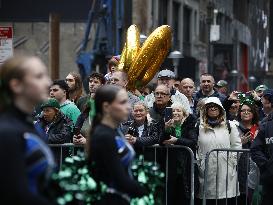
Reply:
x=52, y=102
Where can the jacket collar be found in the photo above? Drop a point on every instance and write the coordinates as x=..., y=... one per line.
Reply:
x=66, y=103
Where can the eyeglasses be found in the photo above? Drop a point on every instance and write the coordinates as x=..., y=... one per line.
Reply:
x=158, y=94
x=212, y=106
x=246, y=111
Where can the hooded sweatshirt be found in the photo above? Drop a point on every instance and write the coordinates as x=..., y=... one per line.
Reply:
x=70, y=110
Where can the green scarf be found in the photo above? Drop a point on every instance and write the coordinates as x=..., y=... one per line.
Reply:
x=178, y=131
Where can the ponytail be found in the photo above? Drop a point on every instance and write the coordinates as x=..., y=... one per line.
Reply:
x=96, y=120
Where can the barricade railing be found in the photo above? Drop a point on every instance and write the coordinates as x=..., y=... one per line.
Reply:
x=156, y=148
x=192, y=161
x=61, y=147
x=230, y=154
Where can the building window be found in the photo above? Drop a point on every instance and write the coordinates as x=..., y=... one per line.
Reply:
x=162, y=12
x=187, y=31
x=176, y=27
x=202, y=28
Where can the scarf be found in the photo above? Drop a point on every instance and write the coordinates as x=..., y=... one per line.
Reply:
x=178, y=131
x=213, y=122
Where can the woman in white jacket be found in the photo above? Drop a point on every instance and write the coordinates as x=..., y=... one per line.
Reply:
x=216, y=133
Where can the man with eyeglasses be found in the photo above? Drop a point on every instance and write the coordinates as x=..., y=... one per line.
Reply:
x=262, y=151
x=162, y=100
x=167, y=78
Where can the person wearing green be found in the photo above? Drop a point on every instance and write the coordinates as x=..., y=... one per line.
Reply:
x=60, y=90
x=180, y=130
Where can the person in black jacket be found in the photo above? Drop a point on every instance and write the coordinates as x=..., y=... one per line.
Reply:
x=26, y=161
x=110, y=153
x=180, y=130
x=207, y=89
x=262, y=155
x=56, y=125
x=142, y=131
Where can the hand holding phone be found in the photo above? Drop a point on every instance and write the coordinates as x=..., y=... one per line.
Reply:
x=77, y=131
x=168, y=114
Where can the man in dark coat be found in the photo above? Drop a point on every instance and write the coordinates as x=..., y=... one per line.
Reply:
x=207, y=83
x=262, y=155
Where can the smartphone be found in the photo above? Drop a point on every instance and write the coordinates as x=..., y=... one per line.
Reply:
x=131, y=131
x=168, y=114
x=77, y=131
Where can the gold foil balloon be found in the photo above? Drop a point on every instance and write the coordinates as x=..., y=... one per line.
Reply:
x=131, y=48
x=150, y=56
x=150, y=73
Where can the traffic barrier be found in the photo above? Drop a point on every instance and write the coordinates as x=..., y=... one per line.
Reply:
x=230, y=157
x=155, y=153
x=70, y=147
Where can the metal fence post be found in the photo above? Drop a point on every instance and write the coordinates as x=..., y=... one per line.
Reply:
x=228, y=152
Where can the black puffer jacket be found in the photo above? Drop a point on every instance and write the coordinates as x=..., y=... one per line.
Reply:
x=59, y=131
x=262, y=151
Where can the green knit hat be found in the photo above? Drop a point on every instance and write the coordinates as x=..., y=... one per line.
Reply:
x=52, y=102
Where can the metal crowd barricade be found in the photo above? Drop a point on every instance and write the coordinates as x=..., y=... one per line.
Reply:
x=193, y=161
x=155, y=147
x=66, y=145
x=228, y=153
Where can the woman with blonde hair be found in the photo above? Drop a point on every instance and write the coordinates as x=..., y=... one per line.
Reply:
x=180, y=130
x=215, y=132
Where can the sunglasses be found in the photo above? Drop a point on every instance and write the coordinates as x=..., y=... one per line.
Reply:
x=212, y=106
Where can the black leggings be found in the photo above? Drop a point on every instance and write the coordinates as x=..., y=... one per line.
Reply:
x=112, y=199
